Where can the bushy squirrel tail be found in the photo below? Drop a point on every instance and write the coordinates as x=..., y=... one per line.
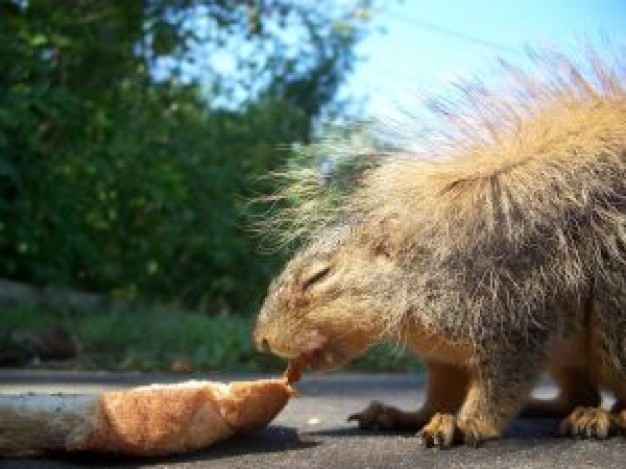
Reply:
x=548, y=105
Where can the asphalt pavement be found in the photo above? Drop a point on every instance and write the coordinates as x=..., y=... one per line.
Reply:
x=312, y=431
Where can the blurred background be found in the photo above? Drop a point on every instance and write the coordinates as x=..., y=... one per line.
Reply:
x=134, y=134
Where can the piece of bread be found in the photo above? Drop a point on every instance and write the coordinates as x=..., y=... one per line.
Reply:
x=143, y=421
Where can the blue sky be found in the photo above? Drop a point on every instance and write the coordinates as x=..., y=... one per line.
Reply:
x=429, y=43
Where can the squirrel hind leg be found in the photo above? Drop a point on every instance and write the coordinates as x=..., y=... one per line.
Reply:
x=589, y=422
x=589, y=419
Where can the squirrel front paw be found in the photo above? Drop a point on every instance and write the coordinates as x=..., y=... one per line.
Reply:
x=446, y=430
x=588, y=422
x=376, y=416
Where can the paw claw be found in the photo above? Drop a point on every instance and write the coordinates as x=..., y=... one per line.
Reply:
x=376, y=416
x=439, y=432
x=427, y=441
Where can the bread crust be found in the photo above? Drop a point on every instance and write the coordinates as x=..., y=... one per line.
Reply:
x=143, y=421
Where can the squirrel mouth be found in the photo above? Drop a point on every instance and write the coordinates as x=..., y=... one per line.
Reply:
x=316, y=354
x=319, y=358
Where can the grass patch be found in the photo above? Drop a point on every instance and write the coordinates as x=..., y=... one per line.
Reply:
x=149, y=341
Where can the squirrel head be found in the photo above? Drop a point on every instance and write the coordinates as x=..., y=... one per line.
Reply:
x=327, y=305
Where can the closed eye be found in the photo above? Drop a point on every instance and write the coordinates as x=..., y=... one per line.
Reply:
x=316, y=277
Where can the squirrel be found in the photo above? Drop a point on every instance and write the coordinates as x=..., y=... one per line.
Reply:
x=495, y=254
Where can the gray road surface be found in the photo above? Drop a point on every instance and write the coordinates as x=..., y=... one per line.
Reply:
x=312, y=432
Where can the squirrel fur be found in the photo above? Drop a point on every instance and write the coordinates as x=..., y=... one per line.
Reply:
x=496, y=254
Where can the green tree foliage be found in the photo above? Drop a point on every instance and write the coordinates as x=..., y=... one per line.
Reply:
x=127, y=152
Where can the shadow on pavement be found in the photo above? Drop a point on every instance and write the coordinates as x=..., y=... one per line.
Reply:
x=343, y=432
x=520, y=429
x=272, y=439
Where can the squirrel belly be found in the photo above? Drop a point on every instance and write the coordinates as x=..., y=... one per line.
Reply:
x=496, y=254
